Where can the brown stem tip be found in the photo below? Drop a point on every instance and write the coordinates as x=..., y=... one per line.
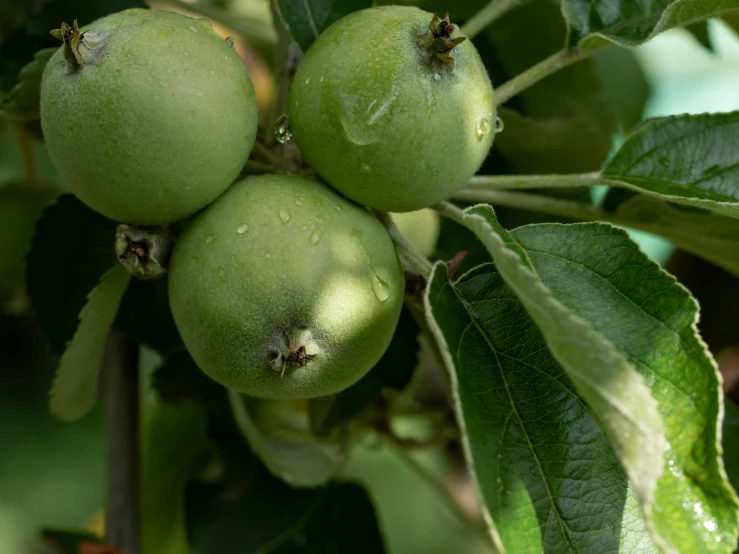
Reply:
x=294, y=348
x=438, y=42
x=143, y=252
x=72, y=39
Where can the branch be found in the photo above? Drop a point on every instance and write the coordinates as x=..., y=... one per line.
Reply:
x=537, y=203
x=505, y=182
x=406, y=251
x=450, y=211
x=122, y=420
x=486, y=16
x=534, y=74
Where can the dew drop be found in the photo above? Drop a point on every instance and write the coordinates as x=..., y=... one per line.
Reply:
x=437, y=77
x=307, y=81
x=193, y=29
x=321, y=78
x=382, y=291
x=499, y=125
x=483, y=128
x=268, y=255
x=282, y=130
x=243, y=228
x=284, y=216
x=210, y=239
x=337, y=208
x=298, y=203
x=366, y=168
x=303, y=227
x=315, y=237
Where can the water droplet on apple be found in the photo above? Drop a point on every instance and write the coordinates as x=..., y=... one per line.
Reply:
x=380, y=287
x=483, y=128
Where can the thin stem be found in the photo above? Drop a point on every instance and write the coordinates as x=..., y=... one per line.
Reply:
x=444, y=493
x=122, y=424
x=251, y=30
x=286, y=60
x=265, y=153
x=450, y=211
x=28, y=154
x=504, y=182
x=536, y=73
x=486, y=16
x=407, y=252
x=535, y=202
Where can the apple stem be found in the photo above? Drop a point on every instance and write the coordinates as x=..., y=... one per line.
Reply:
x=72, y=39
x=408, y=254
x=438, y=42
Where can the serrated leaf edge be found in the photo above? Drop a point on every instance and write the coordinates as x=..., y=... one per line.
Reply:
x=454, y=382
x=644, y=485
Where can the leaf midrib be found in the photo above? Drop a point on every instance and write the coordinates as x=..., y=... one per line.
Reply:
x=555, y=507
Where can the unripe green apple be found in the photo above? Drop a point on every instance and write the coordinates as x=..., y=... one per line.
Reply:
x=284, y=289
x=20, y=206
x=148, y=115
x=393, y=108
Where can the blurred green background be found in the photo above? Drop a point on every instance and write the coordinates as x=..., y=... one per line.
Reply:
x=52, y=473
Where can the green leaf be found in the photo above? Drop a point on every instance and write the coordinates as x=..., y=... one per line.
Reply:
x=552, y=145
x=22, y=102
x=602, y=375
x=75, y=386
x=290, y=454
x=71, y=249
x=394, y=370
x=705, y=234
x=563, y=123
x=630, y=23
x=688, y=159
x=345, y=521
x=601, y=278
x=174, y=448
x=624, y=84
x=540, y=457
x=246, y=509
x=306, y=19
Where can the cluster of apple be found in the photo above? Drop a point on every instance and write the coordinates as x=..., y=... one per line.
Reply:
x=281, y=285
